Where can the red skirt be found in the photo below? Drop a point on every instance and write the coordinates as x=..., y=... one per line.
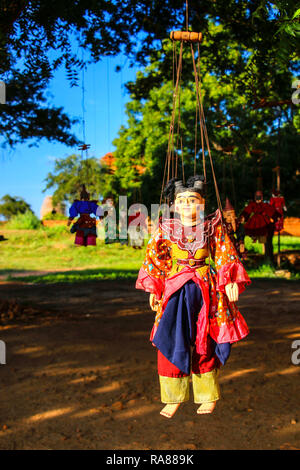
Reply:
x=257, y=225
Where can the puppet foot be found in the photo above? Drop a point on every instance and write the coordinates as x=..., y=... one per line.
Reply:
x=169, y=410
x=206, y=408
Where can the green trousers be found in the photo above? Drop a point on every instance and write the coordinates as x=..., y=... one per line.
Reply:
x=177, y=389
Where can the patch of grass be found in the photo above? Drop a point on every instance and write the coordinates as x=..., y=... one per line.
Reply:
x=53, y=249
x=266, y=271
x=286, y=243
x=102, y=274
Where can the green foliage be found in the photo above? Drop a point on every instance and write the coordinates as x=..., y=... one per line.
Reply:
x=11, y=206
x=55, y=216
x=288, y=33
x=70, y=173
x=246, y=142
x=27, y=116
x=28, y=220
x=38, y=37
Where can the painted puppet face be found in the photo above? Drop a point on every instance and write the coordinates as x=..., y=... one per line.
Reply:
x=258, y=196
x=230, y=218
x=189, y=205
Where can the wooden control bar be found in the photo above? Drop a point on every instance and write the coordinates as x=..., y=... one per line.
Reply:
x=187, y=36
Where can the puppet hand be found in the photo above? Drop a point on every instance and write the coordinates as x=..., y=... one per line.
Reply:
x=232, y=292
x=153, y=302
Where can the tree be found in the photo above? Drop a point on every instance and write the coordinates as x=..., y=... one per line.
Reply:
x=37, y=37
x=70, y=173
x=11, y=206
x=244, y=139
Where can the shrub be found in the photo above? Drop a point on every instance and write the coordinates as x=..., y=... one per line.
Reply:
x=56, y=231
x=28, y=220
x=55, y=216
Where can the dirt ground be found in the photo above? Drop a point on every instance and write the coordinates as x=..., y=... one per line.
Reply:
x=80, y=373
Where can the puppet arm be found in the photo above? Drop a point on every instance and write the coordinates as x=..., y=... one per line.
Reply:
x=157, y=264
x=232, y=277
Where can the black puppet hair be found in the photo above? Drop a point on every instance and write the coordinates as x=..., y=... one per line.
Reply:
x=84, y=195
x=194, y=183
x=193, y=179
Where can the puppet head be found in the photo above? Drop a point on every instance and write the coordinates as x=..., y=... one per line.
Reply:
x=229, y=214
x=189, y=198
x=84, y=195
x=108, y=201
x=258, y=196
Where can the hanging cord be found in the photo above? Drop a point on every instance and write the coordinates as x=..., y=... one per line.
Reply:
x=232, y=181
x=163, y=184
x=178, y=127
x=201, y=127
x=83, y=108
x=83, y=147
x=196, y=125
x=203, y=124
x=199, y=113
x=175, y=104
x=224, y=179
x=170, y=149
x=182, y=161
x=201, y=120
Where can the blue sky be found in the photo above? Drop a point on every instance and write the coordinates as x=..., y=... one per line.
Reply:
x=23, y=170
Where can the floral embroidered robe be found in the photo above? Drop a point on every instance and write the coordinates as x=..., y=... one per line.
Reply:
x=175, y=256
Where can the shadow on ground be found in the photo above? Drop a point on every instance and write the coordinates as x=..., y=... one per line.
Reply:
x=81, y=373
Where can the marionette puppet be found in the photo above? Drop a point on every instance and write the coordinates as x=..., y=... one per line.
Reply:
x=137, y=230
x=197, y=319
x=234, y=229
x=85, y=225
x=110, y=227
x=259, y=217
x=278, y=202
